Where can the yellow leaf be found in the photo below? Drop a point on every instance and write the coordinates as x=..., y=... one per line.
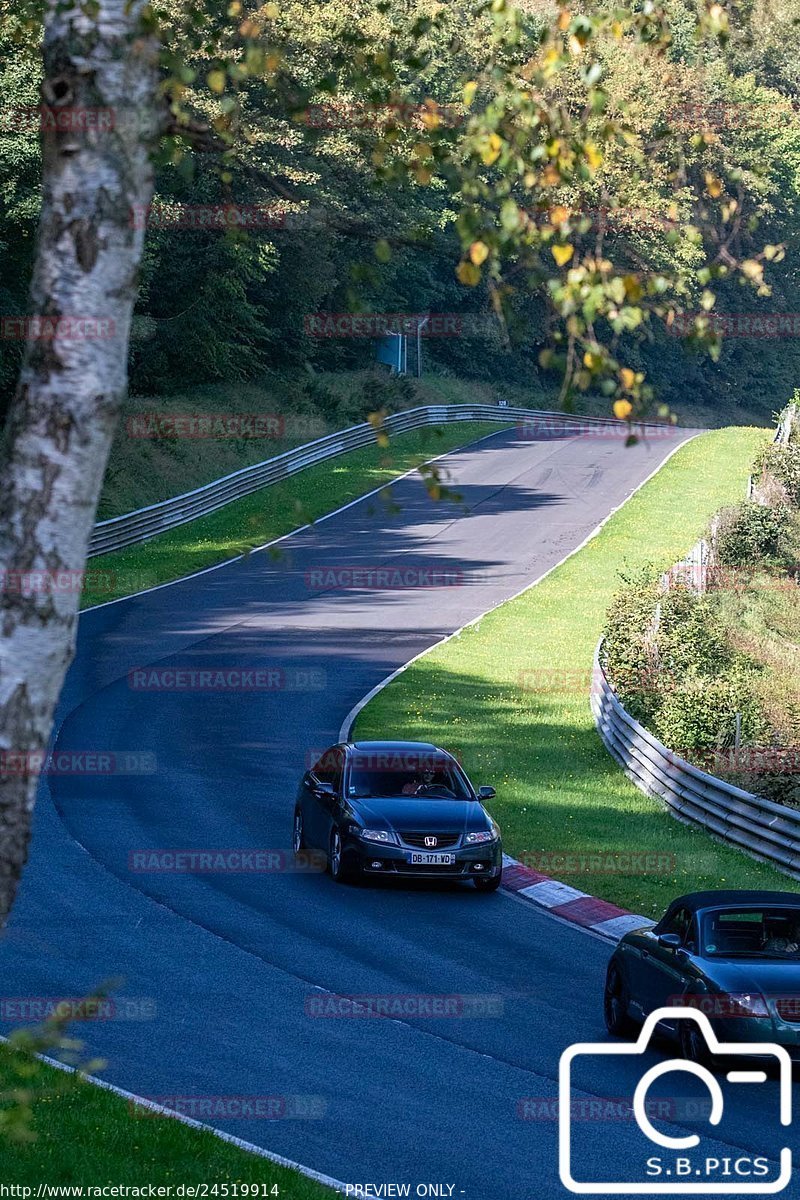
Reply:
x=491, y=151
x=234, y=8
x=752, y=269
x=469, y=92
x=713, y=185
x=270, y=11
x=468, y=274
x=564, y=18
x=562, y=254
x=593, y=155
x=216, y=81
x=478, y=253
x=627, y=378
x=622, y=409
x=559, y=214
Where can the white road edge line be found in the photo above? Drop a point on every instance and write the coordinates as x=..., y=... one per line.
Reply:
x=300, y=528
x=142, y=1102
x=349, y=721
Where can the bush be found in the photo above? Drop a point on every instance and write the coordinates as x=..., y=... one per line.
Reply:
x=647, y=654
x=628, y=657
x=781, y=462
x=699, y=713
x=757, y=535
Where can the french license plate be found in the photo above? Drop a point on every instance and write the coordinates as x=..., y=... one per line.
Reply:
x=431, y=860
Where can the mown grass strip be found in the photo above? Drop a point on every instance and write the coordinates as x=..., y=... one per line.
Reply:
x=86, y=1135
x=510, y=694
x=271, y=512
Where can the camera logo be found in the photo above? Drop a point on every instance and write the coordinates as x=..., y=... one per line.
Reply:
x=684, y=1167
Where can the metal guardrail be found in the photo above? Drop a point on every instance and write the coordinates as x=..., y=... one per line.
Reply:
x=767, y=831
x=145, y=523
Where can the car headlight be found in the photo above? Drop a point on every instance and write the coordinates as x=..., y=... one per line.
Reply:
x=487, y=835
x=375, y=835
x=745, y=1004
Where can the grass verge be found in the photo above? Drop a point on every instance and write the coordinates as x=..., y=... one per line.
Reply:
x=87, y=1135
x=271, y=512
x=510, y=695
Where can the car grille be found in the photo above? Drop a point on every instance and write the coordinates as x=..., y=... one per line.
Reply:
x=444, y=841
x=789, y=1008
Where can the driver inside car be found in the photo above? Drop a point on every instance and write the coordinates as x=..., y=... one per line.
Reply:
x=784, y=945
x=423, y=779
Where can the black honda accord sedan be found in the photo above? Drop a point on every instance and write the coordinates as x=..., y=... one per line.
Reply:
x=397, y=809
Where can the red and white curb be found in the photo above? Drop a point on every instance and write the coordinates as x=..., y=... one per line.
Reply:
x=569, y=903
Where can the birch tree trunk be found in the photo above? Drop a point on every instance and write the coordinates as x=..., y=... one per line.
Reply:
x=100, y=123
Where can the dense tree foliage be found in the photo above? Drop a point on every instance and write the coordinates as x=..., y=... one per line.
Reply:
x=367, y=147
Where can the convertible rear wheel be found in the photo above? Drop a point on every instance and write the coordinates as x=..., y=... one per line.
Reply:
x=615, y=1006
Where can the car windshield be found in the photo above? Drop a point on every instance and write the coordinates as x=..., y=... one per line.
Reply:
x=405, y=773
x=759, y=932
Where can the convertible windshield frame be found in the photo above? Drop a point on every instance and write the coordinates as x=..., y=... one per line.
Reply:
x=752, y=914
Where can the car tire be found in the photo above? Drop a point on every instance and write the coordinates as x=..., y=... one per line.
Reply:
x=336, y=867
x=488, y=885
x=615, y=1005
x=298, y=833
x=694, y=1047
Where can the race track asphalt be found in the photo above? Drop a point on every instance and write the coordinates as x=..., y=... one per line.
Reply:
x=220, y=971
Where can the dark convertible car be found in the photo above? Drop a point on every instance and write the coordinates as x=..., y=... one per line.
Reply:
x=397, y=809
x=734, y=955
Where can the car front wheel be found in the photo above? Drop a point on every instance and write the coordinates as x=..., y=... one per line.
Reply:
x=694, y=1047
x=335, y=864
x=488, y=885
x=615, y=1006
x=298, y=836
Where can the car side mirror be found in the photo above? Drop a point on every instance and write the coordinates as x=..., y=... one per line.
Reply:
x=324, y=789
x=670, y=941
x=486, y=793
